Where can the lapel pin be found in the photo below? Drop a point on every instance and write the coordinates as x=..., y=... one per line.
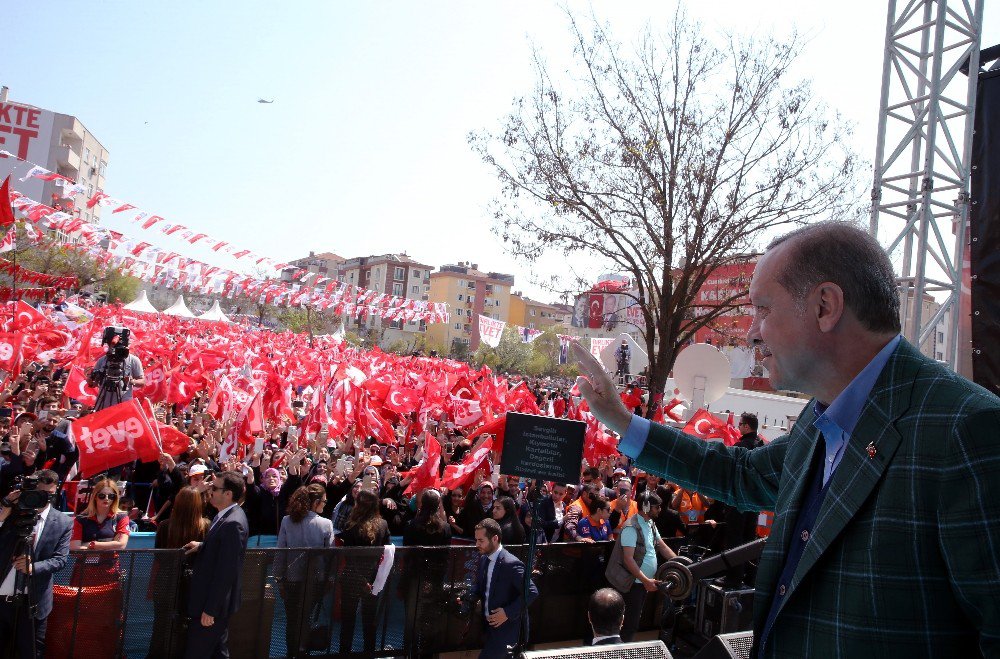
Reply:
x=871, y=450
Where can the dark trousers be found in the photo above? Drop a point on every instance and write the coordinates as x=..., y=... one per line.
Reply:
x=350, y=596
x=300, y=600
x=634, y=600
x=28, y=629
x=207, y=642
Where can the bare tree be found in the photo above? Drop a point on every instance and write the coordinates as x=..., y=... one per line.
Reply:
x=666, y=162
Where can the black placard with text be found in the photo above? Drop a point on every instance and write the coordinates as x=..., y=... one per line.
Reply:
x=542, y=447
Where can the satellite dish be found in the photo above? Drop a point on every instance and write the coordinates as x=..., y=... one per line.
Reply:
x=701, y=373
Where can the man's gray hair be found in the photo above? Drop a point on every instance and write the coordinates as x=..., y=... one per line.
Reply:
x=841, y=253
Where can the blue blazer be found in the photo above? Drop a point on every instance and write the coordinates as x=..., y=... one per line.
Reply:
x=218, y=568
x=50, y=555
x=505, y=593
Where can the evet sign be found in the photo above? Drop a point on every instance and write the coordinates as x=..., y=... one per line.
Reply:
x=112, y=437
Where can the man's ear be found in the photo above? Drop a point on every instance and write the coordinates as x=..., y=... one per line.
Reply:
x=828, y=305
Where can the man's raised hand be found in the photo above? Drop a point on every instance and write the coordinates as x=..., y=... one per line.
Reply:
x=600, y=392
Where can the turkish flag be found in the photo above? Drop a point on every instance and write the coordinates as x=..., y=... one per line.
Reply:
x=173, y=440
x=155, y=388
x=10, y=352
x=112, y=437
x=19, y=315
x=465, y=411
x=595, y=315
x=372, y=424
x=459, y=475
x=705, y=425
x=402, y=400
x=496, y=427
x=77, y=388
x=6, y=211
x=426, y=473
x=181, y=388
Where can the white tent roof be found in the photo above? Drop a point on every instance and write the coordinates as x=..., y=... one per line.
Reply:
x=142, y=304
x=215, y=313
x=179, y=308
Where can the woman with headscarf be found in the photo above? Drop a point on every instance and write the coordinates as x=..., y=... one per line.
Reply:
x=266, y=500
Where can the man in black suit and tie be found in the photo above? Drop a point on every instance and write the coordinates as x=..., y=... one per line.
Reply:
x=51, y=549
x=606, y=613
x=500, y=588
x=215, y=584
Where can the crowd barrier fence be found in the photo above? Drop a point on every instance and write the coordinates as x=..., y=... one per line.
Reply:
x=132, y=603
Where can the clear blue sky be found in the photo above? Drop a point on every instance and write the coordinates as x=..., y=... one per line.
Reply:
x=364, y=149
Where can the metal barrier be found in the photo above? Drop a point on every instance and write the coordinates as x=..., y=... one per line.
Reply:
x=132, y=603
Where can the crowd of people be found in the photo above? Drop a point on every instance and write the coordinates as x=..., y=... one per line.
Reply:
x=314, y=486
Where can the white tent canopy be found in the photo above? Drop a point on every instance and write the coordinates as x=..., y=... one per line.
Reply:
x=215, y=313
x=179, y=308
x=141, y=304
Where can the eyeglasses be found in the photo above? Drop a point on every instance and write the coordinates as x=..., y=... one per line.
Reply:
x=106, y=496
x=216, y=488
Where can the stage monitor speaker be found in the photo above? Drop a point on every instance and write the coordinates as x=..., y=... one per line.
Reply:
x=738, y=645
x=640, y=650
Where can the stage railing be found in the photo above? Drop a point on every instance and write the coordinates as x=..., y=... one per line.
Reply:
x=132, y=603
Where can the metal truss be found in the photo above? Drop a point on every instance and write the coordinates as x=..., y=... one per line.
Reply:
x=920, y=196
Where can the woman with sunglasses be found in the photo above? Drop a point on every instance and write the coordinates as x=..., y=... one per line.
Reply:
x=102, y=529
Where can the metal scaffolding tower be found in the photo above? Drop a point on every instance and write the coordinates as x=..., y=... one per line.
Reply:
x=920, y=197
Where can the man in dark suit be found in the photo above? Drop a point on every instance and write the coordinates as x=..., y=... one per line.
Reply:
x=886, y=491
x=215, y=584
x=500, y=588
x=51, y=549
x=606, y=613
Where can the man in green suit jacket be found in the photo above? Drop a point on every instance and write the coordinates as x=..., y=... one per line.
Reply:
x=886, y=491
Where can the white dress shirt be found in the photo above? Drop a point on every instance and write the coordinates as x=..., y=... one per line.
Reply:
x=492, y=558
x=7, y=587
x=220, y=515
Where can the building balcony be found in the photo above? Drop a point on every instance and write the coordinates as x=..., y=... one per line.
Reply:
x=73, y=132
x=67, y=157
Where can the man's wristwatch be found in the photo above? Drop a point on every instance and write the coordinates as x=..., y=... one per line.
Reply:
x=6, y=504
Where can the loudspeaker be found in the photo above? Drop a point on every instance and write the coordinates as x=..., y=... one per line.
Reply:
x=728, y=646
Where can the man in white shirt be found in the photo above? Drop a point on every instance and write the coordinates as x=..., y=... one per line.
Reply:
x=50, y=540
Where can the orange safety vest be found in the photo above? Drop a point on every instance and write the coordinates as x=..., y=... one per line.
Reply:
x=764, y=521
x=692, y=507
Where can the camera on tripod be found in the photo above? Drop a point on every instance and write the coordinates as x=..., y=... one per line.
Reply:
x=112, y=375
x=29, y=505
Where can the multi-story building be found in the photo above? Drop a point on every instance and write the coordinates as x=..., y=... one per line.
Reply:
x=936, y=345
x=532, y=314
x=397, y=275
x=325, y=264
x=58, y=142
x=468, y=292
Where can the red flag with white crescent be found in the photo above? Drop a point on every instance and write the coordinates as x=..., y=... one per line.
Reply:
x=705, y=425
x=426, y=473
x=77, y=389
x=459, y=475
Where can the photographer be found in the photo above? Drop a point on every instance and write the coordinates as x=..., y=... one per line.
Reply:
x=117, y=372
x=51, y=535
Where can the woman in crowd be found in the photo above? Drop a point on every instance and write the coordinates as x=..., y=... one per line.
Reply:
x=264, y=503
x=595, y=527
x=102, y=529
x=429, y=528
x=303, y=527
x=364, y=528
x=505, y=513
x=187, y=523
x=454, y=502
